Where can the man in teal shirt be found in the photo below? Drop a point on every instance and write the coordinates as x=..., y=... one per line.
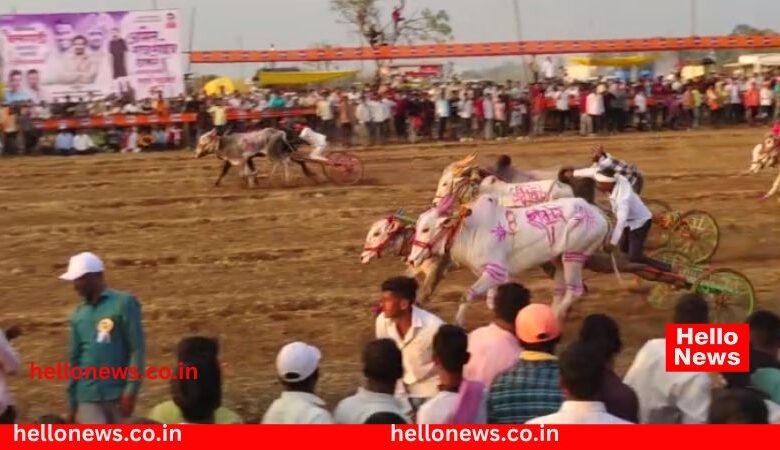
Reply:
x=106, y=346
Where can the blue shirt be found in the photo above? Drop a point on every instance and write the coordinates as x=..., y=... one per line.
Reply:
x=19, y=96
x=64, y=141
x=120, y=314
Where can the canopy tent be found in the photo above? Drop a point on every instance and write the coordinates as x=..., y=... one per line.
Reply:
x=619, y=61
x=271, y=78
x=215, y=86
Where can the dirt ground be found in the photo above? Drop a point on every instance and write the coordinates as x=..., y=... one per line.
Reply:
x=263, y=267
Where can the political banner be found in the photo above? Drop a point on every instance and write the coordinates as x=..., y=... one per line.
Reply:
x=48, y=57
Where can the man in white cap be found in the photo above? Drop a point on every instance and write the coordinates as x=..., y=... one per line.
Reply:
x=297, y=365
x=105, y=331
x=632, y=218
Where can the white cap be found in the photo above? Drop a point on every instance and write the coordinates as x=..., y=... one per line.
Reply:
x=297, y=361
x=82, y=264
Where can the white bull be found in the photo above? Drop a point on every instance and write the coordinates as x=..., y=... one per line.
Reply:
x=497, y=243
x=394, y=235
x=766, y=155
x=465, y=181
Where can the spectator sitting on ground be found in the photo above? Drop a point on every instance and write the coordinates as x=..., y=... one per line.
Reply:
x=82, y=143
x=198, y=397
x=671, y=397
x=297, y=365
x=582, y=377
x=737, y=406
x=765, y=348
x=603, y=333
x=459, y=401
x=412, y=329
x=531, y=388
x=63, y=144
x=382, y=368
x=494, y=348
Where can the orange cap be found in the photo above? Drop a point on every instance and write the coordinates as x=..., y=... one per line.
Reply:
x=537, y=323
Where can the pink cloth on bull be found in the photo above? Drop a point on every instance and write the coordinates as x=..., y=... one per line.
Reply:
x=470, y=395
x=776, y=130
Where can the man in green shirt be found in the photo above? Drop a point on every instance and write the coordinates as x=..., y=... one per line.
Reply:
x=106, y=346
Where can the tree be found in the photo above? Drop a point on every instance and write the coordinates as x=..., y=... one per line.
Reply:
x=366, y=18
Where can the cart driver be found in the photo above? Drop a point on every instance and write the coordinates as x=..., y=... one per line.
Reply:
x=633, y=218
x=318, y=141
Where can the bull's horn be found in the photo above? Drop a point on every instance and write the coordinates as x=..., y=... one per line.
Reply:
x=467, y=160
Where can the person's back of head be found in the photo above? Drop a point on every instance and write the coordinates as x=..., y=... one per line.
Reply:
x=582, y=371
x=450, y=348
x=509, y=300
x=737, y=406
x=385, y=418
x=198, y=396
x=765, y=331
x=503, y=161
x=197, y=346
x=691, y=308
x=382, y=362
x=603, y=333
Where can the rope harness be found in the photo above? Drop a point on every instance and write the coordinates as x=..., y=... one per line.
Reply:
x=403, y=229
x=447, y=233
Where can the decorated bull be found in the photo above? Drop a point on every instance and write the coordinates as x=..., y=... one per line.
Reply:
x=497, y=243
x=466, y=181
x=393, y=235
x=238, y=149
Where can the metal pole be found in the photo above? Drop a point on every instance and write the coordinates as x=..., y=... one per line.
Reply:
x=193, y=10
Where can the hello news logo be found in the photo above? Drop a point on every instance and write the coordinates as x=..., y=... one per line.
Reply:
x=708, y=348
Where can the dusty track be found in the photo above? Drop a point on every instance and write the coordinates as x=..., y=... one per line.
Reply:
x=259, y=268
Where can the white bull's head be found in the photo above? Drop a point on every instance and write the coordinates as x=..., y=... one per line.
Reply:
x=434, y=230
x=454, y=178
x=380, y=236
x=764, y=155
x=207, y=143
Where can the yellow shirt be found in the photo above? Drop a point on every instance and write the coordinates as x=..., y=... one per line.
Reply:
x=219, y=115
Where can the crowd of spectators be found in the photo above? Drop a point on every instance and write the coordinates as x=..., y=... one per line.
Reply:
x=420, y=369
x=395, y=112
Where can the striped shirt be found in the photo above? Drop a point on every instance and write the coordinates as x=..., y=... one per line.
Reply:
x=529, y=389
x=620, y=167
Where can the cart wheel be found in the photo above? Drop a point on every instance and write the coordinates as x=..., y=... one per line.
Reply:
x=343, y=168
x=730, y=294
x=662, y=295
x=697, y=235
x=663, y=220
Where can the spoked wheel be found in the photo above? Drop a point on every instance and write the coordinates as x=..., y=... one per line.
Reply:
x=730, y=294
x=663, y=220
x=662, y=295
x=343, y=168
x=697, y=235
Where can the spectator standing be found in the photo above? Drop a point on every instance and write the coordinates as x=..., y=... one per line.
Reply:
x=382, y=368
x=752, y=103
x=734, y=107
x=586, y=122
x=499, y=109
x=325, y=115
x=105, y=331
x=412, y=329
x=63, y=144
x=365, y=124
x=687, y=107
x=776, y=82
x=531, y=388
x=459, y=400
x=197, y=397
x=671, y=397
x=218, y=116
x=400, y=114
x=9, y=366
x=377, y=111
x=442, y=114
x=297, y=365
x=489, y=115
x=714, y=105
x=561, y=97
x=766, y=98
x=388, y=108
x=602, y=332
x=595, y=108
x=582, y=379
x=538, y=111
x=466, y=113
x=640, y=105
x=346, y=118
x=698, y=102
x=494, y=348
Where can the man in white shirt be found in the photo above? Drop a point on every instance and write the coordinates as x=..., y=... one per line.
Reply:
x=412, y=329
x=594, y=106
x=640, y=103
x=318, y=141
x=582, y=377
x=382, y=367
x=548, y=68
x=9, y=365
x=671, y=397
x=83, y=144
x=297, y=365
x=494, y=348
x=459, y=401
x=632, y=218
x=325, y=114
x=377, y=111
